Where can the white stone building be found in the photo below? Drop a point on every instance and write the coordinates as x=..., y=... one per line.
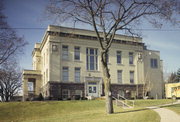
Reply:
x=67, y=65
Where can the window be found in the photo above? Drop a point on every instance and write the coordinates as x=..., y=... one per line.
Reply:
x=92, y=89
x=77, y=74
x=131, y=58
x=65, y=93
x=154, y=63
x=132, y=77
x=31, y=85
x=65, y=74
x=118, y=54
x=65, y=52
x=119, y=76
x=76, y=53
x=91, y=59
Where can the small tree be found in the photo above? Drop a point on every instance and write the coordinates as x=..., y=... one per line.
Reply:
x=109, y=16
x=147, y=85
x=10, y=81
x=173, y=78
x=178, y=75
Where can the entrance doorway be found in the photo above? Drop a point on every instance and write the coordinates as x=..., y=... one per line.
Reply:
x=93, y=89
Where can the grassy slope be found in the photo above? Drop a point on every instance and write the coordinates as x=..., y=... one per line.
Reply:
x=75, y=111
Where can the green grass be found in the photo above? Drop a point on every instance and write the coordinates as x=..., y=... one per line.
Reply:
x=146, y=103
x=175, y=108
x=76, y=111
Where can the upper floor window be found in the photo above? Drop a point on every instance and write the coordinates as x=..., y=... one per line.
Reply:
x=76, y=53
x=92, y=59
x=65, y=52
x=119, y=76
x=65, y=74
x=77, y=74
x=131, y=76
x=118, y=54
x=131, y=58
x=154, y=63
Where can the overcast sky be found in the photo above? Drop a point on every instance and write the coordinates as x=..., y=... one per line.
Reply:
x=29, y=14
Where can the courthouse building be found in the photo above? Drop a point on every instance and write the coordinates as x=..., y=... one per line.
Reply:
x=67, y=65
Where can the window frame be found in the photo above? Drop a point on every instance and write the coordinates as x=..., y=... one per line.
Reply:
x=154, y=63
x=119, y=78
x=131, y=58
x=92, y=66
x=131, y=77
x=65, y=93
x=77, y=53
x=65, y=52
x=64, y=71
x=119, y=57
x=77, y=70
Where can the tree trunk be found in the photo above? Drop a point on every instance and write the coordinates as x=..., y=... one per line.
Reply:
x=107, y=84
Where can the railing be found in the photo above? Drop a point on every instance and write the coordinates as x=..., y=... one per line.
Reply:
x=125, y=103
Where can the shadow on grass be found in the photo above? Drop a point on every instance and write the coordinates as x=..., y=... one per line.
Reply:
x=143, y=109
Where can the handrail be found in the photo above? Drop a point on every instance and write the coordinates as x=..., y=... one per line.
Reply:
x=124, y=103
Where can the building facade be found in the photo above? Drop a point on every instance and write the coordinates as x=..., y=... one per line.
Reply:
x=67, y=65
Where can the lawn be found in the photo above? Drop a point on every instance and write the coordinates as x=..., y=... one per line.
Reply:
x=76, y=111
x=175, y=108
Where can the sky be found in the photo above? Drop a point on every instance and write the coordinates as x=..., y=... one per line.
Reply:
x=29, y=14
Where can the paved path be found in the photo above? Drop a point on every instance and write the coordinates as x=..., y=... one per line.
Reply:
x=166, y=114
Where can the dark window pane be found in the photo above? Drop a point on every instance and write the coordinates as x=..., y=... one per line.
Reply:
x=131, y=58
x=91, y=51
x=118, y=57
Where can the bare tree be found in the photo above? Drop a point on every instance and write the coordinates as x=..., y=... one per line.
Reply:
x=147, y=85
x=109, y=16
x=10, y=43
x=173, y=78
x=10, y=81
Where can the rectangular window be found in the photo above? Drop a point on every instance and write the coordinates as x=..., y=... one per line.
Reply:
x=131, y=58
x=77, y=74
x=119, y=76
x=65, y=52
x=65, y=74
x=118, y=54
x=131, y=77
x=31, y=85
x=91, y=59
x=65, y=93
x=154, y=63
x=76, y=53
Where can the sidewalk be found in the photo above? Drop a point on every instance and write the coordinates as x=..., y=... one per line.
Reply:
x=166, y=114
